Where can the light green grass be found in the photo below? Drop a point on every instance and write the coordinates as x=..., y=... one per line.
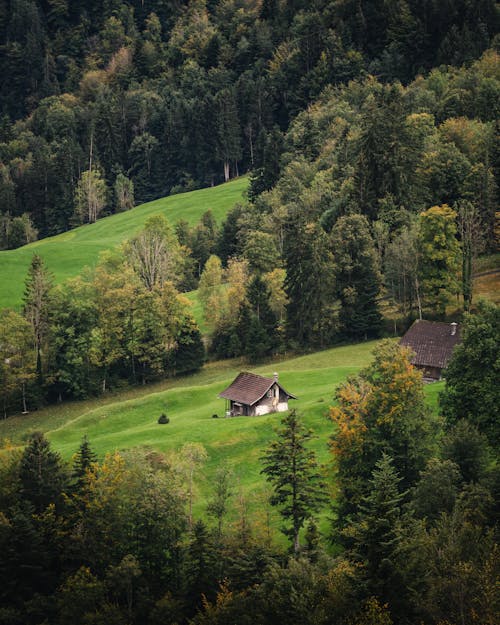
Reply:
x=129, y=420
x=67, y=254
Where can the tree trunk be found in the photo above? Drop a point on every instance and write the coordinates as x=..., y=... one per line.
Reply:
x=25, y=410
x=419, y=303
x=226, y=171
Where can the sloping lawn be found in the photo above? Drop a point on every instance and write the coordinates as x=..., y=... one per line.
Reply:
x=68, y=253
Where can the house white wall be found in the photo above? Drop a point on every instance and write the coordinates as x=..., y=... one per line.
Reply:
x=262, y=409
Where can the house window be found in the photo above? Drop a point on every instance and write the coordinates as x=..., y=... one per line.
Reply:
x=269, y=393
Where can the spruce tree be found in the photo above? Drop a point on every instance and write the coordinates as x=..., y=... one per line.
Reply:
x=374, y=533
x=292, y=470
x=83, y=460
x=358, y=277
x=41, y=474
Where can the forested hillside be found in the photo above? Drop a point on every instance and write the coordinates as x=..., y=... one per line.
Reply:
x=363, y=140
x=104, y=102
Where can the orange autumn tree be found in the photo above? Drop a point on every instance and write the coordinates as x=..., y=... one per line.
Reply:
x=380, y=410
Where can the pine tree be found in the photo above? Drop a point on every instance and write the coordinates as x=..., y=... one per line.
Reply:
x=374, y=534
x=309, y=283
x=83, y=460
x=41, y=474
x=262, y=336
x=200, y=564
x=292, y=470
x=358, y=276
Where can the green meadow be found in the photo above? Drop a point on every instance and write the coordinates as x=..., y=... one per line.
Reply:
x=129, y=419
x=67, y=254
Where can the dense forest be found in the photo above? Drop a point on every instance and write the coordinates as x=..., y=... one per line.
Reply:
x=378, y=194
x=369, y=132
x=412, y=541
x=102, y=103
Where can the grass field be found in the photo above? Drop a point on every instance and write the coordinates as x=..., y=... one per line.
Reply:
x=66, y=254
x=129, y=420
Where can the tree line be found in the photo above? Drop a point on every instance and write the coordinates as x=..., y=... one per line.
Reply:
x=124, y=321
x=411, y=494
x=104, y=105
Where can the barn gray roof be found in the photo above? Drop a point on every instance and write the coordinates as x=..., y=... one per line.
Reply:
x=432, y=342
x=247, y=388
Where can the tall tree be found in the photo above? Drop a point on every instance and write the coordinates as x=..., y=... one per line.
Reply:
x=228, y=131
x=472, y=239
x=17, y=358
x=292, y=470
x=374, y=533
x=82, y=462
x=439, y=257
x=36, y=307
x=155, y=253
x=309, y=284
x=41, y=474
x=471, y=388
x=380, y=410
x=90, y=196
x=124, y=193
x=358, y=276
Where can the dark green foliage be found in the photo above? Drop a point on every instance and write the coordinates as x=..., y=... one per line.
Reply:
x=437, y=489
x=465, y=446
x=82, y=463
x=310, y=283
x=261, y=335
x=357, y=277
x=200, y=564
x=471, y=390
x=41, y=474
x=189, y=354
x=374, y=533
x=228, y=245
x=178, y=98
x=291, y=468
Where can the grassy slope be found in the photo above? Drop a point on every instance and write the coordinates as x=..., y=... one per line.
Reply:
x=130, y=419
x=66, y=254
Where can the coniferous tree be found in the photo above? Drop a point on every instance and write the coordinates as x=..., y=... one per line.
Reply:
x=41, y=474
x=200, y=564
x=358, y=276
x=374, y=534
x=309, y=284
x=471, y=390
x=298, y=489
x=82, y=462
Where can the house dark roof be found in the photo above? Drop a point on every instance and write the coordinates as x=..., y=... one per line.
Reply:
x=247, y=388
x=432, y=342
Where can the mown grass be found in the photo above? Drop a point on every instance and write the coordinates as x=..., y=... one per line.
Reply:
x=129, y=420
x=67, y=254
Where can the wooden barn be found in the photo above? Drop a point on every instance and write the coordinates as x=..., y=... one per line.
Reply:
x=253, y=395
x=432, y=343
